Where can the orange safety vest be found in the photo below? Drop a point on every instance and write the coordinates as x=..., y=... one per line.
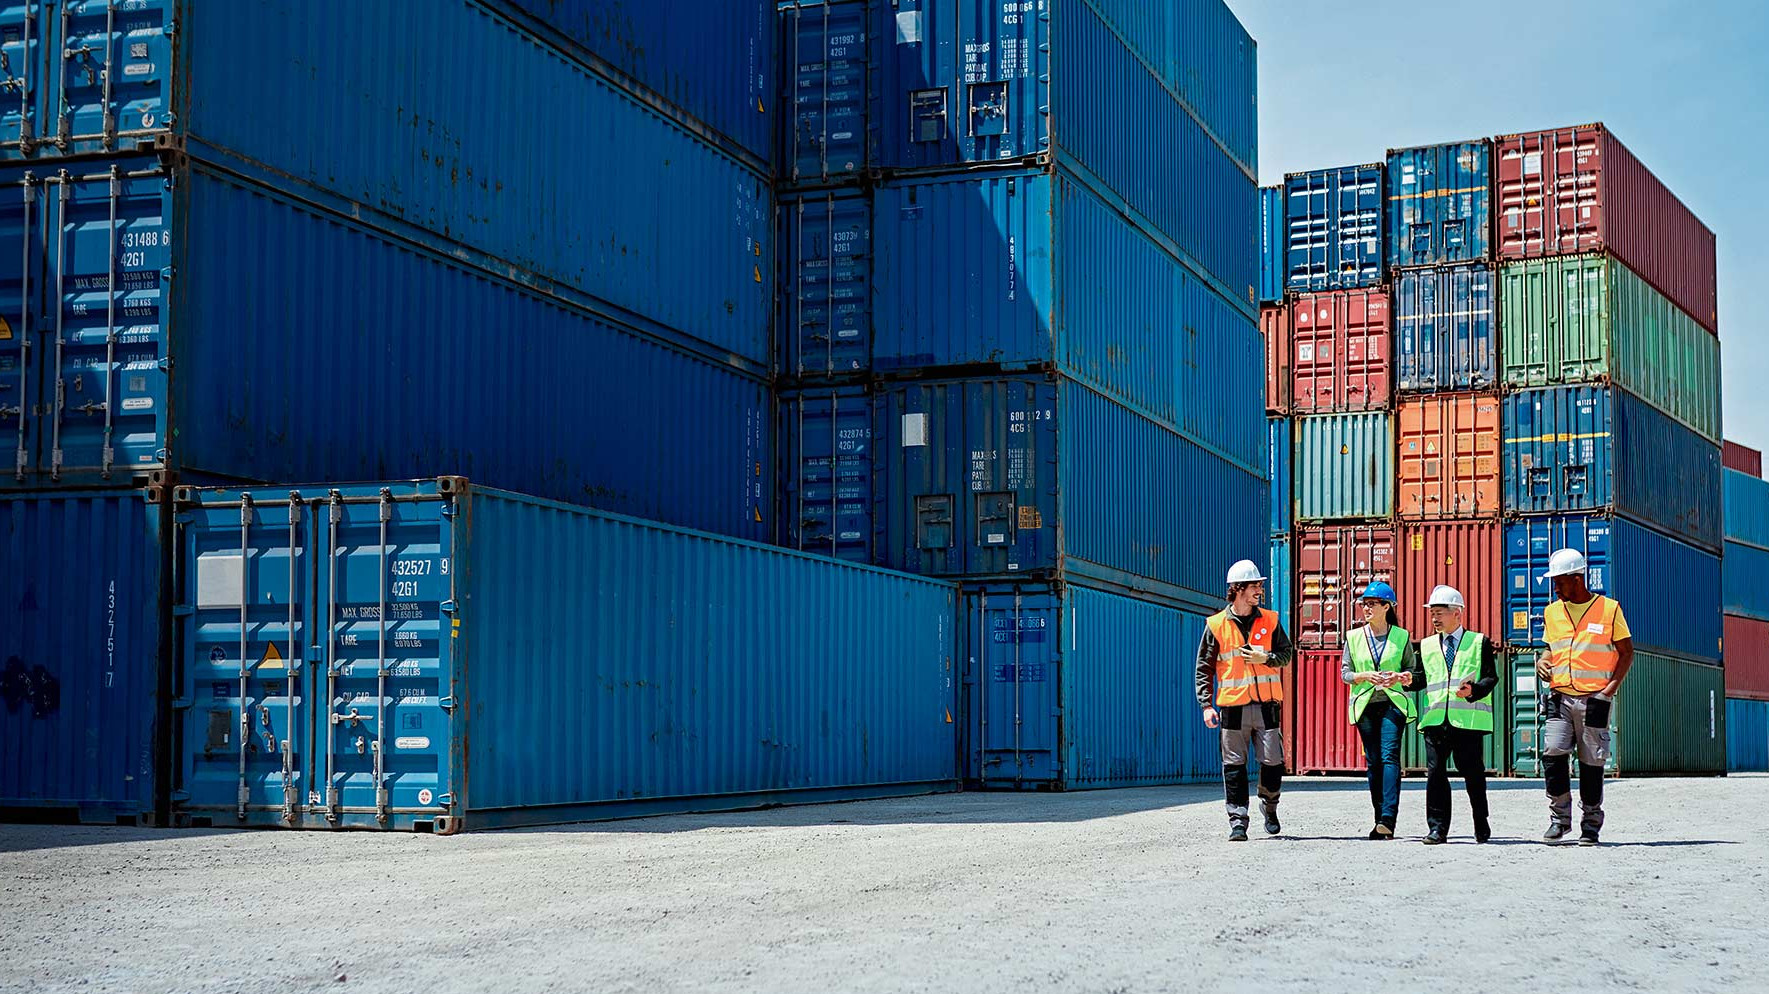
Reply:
x=1237, y=680
x=1581, y=660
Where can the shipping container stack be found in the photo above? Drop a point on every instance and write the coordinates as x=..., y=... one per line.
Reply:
x=1018, y=338
x=1274, y=340
x=1744, y=570
x=1611, y=431
x=1332, y=373
x=355, y=277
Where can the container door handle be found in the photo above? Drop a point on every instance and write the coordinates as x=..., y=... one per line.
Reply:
x=61, y=227
x=291, y=662
x=110, y=330
x=245, y=792
x=24, y=331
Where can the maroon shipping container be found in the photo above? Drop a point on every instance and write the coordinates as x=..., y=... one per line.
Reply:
x=1323, y=741
x=1467, y=555
x=1742, y=458
x=1578, y=189
x=1333, y=565
x=1274, y=329
x=1746, y=653
x=1339, y=355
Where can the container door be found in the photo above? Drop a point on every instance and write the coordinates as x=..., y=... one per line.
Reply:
x=247, y=732
x=826, y=252
x=1016, y=659
x=113, y=72
x=104, y=356
x=21, y=303
x=827, y=79
x=828, y=484
x=385, y=602
x=22, y=92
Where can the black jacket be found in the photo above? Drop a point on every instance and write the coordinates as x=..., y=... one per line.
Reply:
x=1281, y=654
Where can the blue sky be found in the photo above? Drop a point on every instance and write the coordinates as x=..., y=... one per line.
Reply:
x=1684, y=85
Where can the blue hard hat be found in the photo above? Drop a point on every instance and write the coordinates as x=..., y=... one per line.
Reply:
x=1378, y=591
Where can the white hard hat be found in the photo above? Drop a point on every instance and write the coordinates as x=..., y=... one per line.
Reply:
x=1564, y=562
x=1445, y=596
x=1245, y=571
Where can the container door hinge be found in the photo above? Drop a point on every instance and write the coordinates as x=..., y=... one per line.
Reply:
x=446, y=800
x=181, y=704
x=446, y=703
x=183, y=610
x=448, y=607
x=316, y=654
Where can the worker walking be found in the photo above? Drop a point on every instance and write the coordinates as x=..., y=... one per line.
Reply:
x=1381, y=667
x=1241, y=691
x=1457, y=715
x=1589, y=652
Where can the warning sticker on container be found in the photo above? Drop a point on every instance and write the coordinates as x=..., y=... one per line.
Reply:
x=1519, y=619
x=1532, y=164
x=1305, y=352
x=412, y=742
x=138, y=403
x=914, y=430
x=1526, y=683
x=425, y=796
x=909, y=27
x=5, y=329
x=1031, y=518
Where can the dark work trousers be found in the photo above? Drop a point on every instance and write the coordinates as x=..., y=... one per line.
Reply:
x=1442, y=744
x=1381, y=727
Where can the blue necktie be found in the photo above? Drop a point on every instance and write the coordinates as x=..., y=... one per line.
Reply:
x=1449, y=649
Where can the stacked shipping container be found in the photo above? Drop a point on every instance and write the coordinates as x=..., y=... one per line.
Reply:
x=1016, y=331
x=1554, y=380
x=1744, y=570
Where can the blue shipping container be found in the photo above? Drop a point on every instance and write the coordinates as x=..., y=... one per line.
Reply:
x=81, y=622
x=1279, y=451
x=1744, y=583
x=826, y=494
x=1746, y=508
x=488, y=659
x=1072, y=687
x=212, y=327
x=1271, y=244
x=713, y=60
x=1444, y=329
x=827, y=90
x=1597, y=448
x=1669, y=590
x=1440, y=203
x=1747, y=736
x=1281, y=583
x=1029, y=476
x=1333, y=229
x=295, y=94
x=1025, y=270
x=826, y=283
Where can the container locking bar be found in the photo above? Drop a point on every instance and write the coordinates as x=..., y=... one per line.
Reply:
x=381, y=812
x=61, y=310
x=24, y=310
x=245, y=792
x=335, y=512
x=290, y=662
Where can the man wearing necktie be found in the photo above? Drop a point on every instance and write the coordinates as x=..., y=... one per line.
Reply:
x=1458, y=713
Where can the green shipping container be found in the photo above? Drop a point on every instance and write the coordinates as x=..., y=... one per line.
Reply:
x=1498, y=744
x=1670, y=717
x=1582, y=318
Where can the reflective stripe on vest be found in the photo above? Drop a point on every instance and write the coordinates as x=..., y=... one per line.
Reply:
x=1582, y=657
x=1392, y=654
x=1442, y=677
x=1238, y=681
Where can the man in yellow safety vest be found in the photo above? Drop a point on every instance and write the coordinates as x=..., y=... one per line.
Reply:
x=1588, y=655
x=1240, y=691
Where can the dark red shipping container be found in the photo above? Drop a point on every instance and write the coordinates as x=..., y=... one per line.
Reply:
x=1742, y=458
x=1333, y=565
x=1339, y=355
x=1746, y=657
x=1578, y=189
x=1467, y=555
x=1323, y=740
x=1274, y=330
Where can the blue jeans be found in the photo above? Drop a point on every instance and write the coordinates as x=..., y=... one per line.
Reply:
x=1380, y=726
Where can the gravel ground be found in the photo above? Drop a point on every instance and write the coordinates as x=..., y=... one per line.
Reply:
x=1104, y=891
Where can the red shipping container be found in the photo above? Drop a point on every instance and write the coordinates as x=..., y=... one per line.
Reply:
x=1467, y=555
x=1339, y=355
x=1324, y=741
x=1746, y=653
x=1333, y=565
x=1742, y=458
x=1274, y=328
x=1449, y=456
x=1578, y=189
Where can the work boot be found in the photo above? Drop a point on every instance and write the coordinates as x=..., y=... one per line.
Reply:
x=1271, y=821
x=1588, y=838
x=1482, y=831
x=1557, y=830
x=1237, y=833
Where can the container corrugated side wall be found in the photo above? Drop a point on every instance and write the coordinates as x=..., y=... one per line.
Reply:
x=1745, y=580
x=1670, y=718
x=1747, y=736
x=1280, y=450
x=1271, y=244
x=1746, y=502
x=1344, y=466
x=497, y=168
x=706, y=672
x=1746, y=657
x=81, y=618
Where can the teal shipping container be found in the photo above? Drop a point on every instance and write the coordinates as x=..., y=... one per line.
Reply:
x=432, y=656
x=1344, y=467
x=1072, y=687
x=1669, y=718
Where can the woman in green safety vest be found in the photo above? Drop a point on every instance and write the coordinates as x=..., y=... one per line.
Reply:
x=1458, y=713
x=1381, y=667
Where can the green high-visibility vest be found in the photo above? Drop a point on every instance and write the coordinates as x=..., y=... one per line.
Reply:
x=1361, y=660
x=1442, y=679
